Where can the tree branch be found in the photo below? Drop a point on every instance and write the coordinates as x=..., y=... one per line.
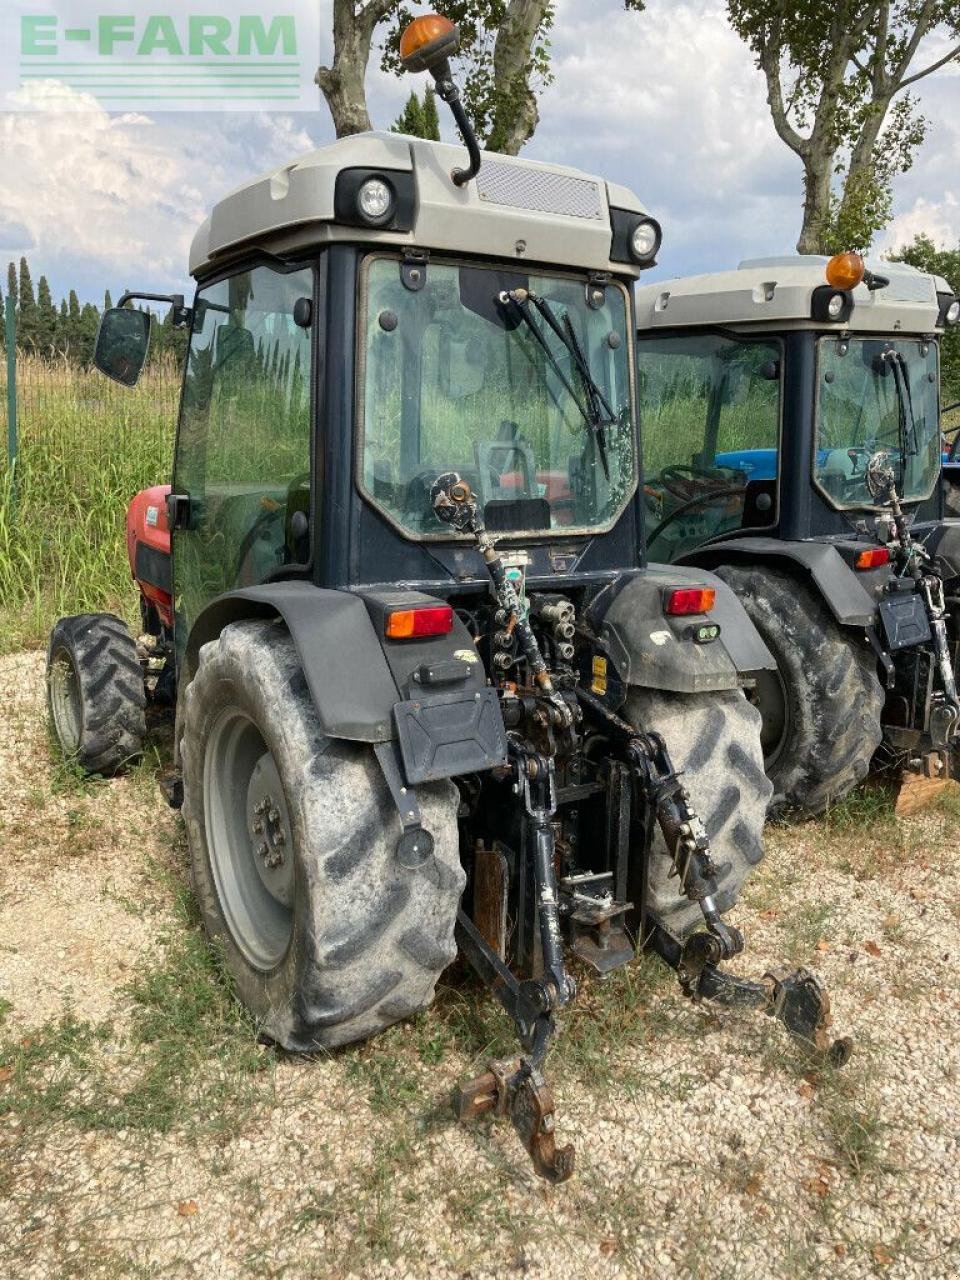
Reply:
x=770, y=66
x=953, y=55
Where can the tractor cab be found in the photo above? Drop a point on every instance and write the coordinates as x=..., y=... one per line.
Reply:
x=362, y=326
x=766, y=390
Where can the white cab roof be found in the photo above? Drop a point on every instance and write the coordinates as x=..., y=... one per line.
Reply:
x=515, y=209
x=777, y=293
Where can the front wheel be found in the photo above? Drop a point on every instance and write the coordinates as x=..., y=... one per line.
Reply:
x=822, y=707
x=95, y=692
x=293, y=837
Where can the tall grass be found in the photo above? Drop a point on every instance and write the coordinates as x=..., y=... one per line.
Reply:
x=86, y=446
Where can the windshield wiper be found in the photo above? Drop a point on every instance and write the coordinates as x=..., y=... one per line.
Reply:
x=594, y=408
x=906, y=422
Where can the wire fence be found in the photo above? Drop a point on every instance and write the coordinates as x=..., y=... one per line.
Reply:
x=83, y=447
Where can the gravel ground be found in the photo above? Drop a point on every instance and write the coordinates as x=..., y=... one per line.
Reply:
x=145, y=1133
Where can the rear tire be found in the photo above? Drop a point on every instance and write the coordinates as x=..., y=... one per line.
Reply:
x=95, y=692
x=822, y=711
x=328, y=938
x=714, y=739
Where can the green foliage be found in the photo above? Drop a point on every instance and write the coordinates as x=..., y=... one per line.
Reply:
x=47, y=318
x=925, y=255
x=27, y=315
x=420, y=119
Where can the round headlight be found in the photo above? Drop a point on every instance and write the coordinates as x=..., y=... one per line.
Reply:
x=835, y=306
x=645, y=241
x=375, y=200
x=953, y=311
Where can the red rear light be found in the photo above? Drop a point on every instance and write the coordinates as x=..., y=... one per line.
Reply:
x=412, y=624
x=690, y=600
x=872, y=559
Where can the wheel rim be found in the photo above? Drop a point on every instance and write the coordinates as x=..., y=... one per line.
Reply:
x=66, y=704
x=770, y=698
x=249, y=839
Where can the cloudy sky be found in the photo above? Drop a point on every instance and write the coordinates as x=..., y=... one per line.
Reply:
x=667, y=102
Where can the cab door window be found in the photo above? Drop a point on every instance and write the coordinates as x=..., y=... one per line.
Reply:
x=243, y=451
x=710, y=414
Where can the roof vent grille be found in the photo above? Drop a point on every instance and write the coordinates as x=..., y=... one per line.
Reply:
x=523, y=187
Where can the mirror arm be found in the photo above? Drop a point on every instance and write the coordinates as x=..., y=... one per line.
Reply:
x=182, y=315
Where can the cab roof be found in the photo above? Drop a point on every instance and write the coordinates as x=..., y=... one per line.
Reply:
x=778, y=293
x=519, y=210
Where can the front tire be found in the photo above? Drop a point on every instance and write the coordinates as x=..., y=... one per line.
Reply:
x=95, y=692
x=822, y=709
x=714, y=739
x=292, y=838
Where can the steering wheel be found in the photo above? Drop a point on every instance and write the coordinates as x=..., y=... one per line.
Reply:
x=697, y=501
x=682, y=481
x=268, y=515
x=271, y=511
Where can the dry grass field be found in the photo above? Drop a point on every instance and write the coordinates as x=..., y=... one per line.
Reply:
x=145, y=1132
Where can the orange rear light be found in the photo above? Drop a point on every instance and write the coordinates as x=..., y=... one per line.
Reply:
x=688, y=600
x=872, y=559
x=412, y=624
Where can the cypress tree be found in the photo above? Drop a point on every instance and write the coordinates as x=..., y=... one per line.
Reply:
x=107, y=301
x=430, y=116
x=410, y=120
x=12, y=283
x=72, y=334
x=89, y=320
x=28, y=319
x=46, y=318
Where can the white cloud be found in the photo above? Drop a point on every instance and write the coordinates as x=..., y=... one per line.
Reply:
x=114, y=200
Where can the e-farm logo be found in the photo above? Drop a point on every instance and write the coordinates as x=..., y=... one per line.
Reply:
x=177, y=55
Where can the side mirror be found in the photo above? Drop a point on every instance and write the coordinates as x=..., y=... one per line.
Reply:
x=123, y=341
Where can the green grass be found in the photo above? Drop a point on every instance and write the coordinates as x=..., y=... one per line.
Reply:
x=85, y=447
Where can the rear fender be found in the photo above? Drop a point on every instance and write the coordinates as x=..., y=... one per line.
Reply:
x=654, y=651
x=353, y=684
x=850, y=596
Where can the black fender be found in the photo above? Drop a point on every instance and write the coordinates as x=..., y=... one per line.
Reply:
x=353, y=683
x=654, y=651
x=851, y=597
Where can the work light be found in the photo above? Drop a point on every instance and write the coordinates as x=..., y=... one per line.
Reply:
x=375, y=200
x=645, y=240
x=835, y=306
x=953, y=312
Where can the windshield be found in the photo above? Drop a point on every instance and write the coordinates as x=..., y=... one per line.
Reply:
x=456, y=379
x=710, y=412
x=860, y=411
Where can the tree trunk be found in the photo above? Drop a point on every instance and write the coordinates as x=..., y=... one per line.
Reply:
x=817, y=171
x=516, y=115
x=343, y=83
